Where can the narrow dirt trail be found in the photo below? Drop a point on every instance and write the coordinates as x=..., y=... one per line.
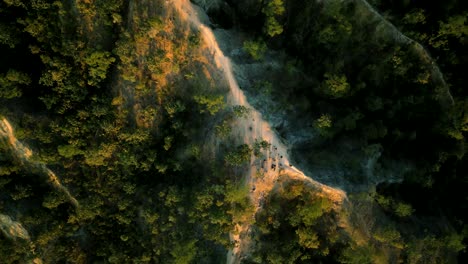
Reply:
x=275, y=160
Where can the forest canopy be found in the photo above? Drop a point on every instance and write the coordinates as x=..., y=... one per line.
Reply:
x=120, y=141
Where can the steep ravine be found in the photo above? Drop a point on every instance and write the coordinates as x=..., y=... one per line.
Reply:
x=276, y=161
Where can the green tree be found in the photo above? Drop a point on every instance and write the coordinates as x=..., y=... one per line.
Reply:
x=274, y=7
x=259, y=145
x=455, y=27
x=172, y=108
x=69, y=151
x=18, y=3
x=241, y=111
x=210, y=103
x=8, y=36
x=414, y=17
x=357, y=255
x=223, y=130
x=335, y=86
x=307, y=238
x=324, y=125
x=390, y=236
x=11, y=82
x=272, y=10
x=460, y=123
x=454, y=242
x=239, y=156
x=273, y=27
x=336, y=27
x=98, y=64
x=403, y=209
x=184, y=252
x=256, y=49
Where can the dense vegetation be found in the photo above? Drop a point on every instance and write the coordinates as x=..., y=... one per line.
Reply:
x=113, y=96
x=297, y=226
x=78, y=84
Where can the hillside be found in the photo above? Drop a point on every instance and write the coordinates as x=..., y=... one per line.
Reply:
x=248, y=131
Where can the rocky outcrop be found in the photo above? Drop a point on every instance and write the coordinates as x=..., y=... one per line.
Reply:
x=11, y=229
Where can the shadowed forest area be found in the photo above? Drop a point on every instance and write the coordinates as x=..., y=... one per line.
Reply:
x=374, y=95
x=118, y=143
